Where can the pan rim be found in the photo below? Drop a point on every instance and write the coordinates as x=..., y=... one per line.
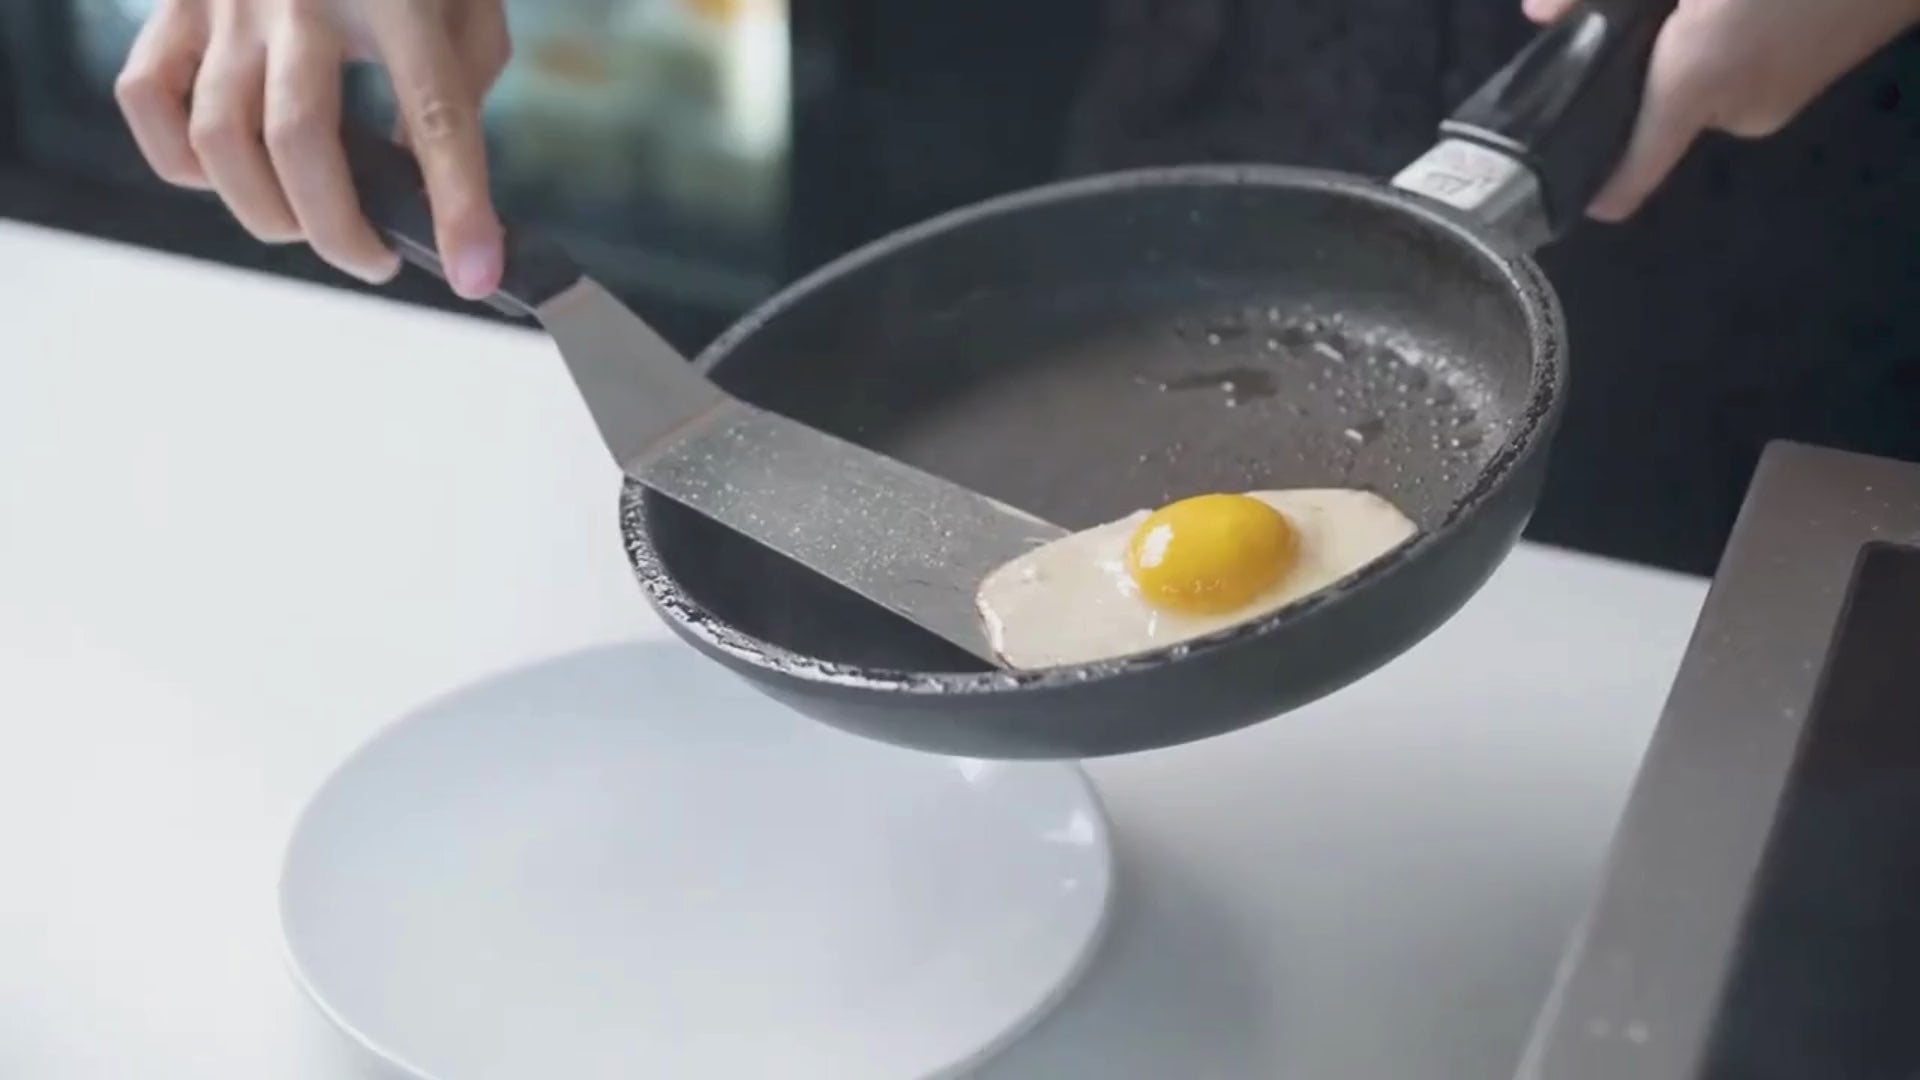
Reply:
x=1525, y=280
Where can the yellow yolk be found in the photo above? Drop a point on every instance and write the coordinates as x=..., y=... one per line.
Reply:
x=1210, y=554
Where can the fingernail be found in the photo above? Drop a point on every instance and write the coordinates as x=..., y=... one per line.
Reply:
x=379, y=273
x=474, y=271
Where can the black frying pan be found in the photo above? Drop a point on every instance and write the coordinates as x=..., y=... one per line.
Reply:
x=1088, y=349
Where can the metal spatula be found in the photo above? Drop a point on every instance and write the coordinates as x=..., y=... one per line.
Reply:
x=907, y=540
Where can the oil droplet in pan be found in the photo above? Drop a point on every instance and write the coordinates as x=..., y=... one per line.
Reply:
x=1239, y=382
x=1366, y=431
x=1294, y=336
x=1227, y=330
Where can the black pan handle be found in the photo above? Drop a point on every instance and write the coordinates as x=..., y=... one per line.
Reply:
x=393, y=197
x=1566, y=105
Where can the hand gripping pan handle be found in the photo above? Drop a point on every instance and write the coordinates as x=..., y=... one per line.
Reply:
x=1529, y=150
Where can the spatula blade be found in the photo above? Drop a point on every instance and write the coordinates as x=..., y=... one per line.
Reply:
x=904, y=539
x=909, y=541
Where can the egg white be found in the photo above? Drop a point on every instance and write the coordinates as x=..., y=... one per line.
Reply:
x=1072, y=602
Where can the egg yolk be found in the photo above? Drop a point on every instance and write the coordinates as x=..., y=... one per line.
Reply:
x=1210, y=554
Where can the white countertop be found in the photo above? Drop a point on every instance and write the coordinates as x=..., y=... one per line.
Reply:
x=244, y=523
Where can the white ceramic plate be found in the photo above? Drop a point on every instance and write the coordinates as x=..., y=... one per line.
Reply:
x=628, y=863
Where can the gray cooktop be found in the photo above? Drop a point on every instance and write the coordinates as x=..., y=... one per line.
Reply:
x=1760, y=912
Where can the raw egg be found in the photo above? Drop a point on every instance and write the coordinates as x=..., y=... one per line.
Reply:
x=1184, y=571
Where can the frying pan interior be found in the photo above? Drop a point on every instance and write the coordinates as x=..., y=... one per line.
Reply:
x=1096, y=348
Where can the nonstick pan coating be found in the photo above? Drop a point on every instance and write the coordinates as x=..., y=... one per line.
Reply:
x=1101, y=346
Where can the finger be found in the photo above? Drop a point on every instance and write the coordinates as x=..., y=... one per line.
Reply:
x=1674, y=110
x=441, y=108
x=485, y=45
x=152, y=92
x=1547, y=11
x=303, y=140
x=225, y=131
x=485, y=49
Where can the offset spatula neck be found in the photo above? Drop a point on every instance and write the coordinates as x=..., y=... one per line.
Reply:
x=642, y=393
x=905, y=539
x=638, y=387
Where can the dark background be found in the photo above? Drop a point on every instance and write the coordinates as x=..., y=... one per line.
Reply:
x=1771, y=290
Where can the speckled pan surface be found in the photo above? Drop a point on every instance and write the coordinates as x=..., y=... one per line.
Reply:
x=1091, y=348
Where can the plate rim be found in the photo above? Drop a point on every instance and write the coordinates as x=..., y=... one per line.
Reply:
x=1038, y=1011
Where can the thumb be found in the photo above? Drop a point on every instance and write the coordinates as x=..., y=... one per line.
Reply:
x=1546, y=11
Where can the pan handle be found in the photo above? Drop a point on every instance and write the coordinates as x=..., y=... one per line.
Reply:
x=1532, y=147
x=393, y=197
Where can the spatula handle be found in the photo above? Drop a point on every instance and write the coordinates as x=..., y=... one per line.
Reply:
x=393, y=197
